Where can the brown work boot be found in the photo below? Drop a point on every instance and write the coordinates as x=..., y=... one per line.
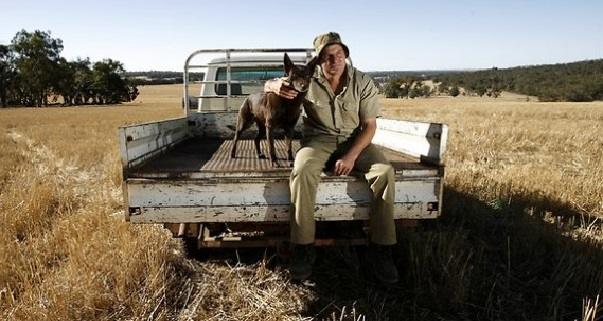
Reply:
x=382, y=264
x=302, y=260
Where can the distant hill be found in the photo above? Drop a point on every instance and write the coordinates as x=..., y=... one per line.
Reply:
x=161, y=77
x=575, y=81
x=382, y=78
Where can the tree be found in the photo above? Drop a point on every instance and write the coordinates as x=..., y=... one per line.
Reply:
x=82, y=80
x=7, y=73
x=454, y=91
x=480, y=89
x=407, y=84
x=392, y=90
x=415, y=92
x=427, y=91
x=108, y=84
x=64, y=81
x=443, y=89
x=37, y=56
x=132, y=92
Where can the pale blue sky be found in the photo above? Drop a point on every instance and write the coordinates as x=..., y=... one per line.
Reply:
x=382, y=35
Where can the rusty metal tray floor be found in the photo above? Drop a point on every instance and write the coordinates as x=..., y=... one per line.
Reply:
x=196, y=156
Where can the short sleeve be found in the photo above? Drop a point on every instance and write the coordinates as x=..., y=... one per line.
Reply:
x=369, y=100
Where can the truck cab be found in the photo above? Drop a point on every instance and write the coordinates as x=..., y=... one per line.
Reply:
x=179, y=172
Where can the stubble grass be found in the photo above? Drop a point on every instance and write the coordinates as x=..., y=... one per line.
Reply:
x=519, y=239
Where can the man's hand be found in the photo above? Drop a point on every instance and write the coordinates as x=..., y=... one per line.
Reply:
x=279, y=87
x=344, y=165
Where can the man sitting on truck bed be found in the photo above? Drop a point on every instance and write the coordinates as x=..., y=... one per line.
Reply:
x=341, y=108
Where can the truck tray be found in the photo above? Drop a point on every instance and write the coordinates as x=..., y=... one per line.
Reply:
x=210, y=158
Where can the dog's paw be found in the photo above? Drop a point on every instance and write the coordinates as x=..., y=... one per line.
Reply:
x=262, y=156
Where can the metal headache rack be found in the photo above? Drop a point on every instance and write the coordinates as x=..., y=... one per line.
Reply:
x=224, y=58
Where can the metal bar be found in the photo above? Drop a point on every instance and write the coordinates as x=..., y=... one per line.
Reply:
x=185, y=98
x=181, y=229
x=192, y=55
x=252, y=50
x=273, y=242
x=246, y=62
x=228, y=79
x=215, y=96
x=225, y=82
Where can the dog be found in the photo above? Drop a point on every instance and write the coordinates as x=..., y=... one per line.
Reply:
x=270, y=111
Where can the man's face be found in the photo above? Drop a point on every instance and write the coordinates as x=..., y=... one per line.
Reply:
x=333, y=61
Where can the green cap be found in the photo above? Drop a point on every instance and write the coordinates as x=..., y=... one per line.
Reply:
x=321, y=41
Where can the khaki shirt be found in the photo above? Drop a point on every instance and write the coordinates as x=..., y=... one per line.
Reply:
x=339, y=115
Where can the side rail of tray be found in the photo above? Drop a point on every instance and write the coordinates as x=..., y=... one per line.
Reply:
x=141, y=142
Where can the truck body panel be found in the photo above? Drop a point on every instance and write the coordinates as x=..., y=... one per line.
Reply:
x=198, y=177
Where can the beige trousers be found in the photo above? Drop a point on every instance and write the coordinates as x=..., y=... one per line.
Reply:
x=318, y=154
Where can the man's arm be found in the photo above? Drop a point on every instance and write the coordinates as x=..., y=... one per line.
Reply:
x=345, y=164
x=368, y=111
x=278, y=87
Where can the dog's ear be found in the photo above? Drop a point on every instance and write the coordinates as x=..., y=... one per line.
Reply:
x=288, y=64
x=311, y=65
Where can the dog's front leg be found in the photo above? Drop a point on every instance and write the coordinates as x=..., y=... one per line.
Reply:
x=271, y=152
x=288, y=138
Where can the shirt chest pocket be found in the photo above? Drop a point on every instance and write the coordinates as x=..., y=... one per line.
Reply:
x=349, y=113
x=315, y=109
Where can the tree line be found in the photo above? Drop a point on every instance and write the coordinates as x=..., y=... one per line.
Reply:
x=33, y=73
x=409, y=86
x=412, y=84
x=576, y=81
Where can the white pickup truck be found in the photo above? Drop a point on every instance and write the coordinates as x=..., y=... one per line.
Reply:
x=179, y=172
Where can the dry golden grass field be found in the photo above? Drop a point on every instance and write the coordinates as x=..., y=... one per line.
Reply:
x=520, y=238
